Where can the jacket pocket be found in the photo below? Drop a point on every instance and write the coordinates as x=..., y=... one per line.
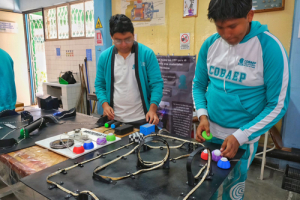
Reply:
x=226, y=109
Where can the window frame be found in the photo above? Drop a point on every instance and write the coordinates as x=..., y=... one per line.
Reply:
x=69, y=20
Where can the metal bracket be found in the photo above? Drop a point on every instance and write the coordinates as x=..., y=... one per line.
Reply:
x=191, y=178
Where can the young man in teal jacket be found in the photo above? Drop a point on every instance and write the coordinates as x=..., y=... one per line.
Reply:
x=128, y=83
x=241, y=86
x=8, y=95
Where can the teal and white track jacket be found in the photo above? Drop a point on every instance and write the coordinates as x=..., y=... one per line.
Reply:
x=244, y=89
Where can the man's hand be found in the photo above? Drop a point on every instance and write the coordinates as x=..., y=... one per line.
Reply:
x=229, y=147
x=203, y=126
x=108, y=111
x=151, y=116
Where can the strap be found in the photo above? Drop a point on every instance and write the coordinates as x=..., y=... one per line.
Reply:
x=6, y=113
x=7, y=143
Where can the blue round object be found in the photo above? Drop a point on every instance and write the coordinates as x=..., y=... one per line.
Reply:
x=113, y=126
x=88, y=145
x=57, y=113
x=223, y=163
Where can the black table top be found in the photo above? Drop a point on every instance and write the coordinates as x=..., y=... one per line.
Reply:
x=79, y=121
x=160, y=184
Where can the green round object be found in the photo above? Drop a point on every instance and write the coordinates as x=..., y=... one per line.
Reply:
x=106, y=125
x=207, y=137
x=24, y=133
x=110, y=137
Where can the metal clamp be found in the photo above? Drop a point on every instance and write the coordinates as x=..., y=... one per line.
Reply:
x=191, y=178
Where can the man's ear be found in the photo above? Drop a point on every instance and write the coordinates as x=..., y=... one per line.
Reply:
x=250, y=15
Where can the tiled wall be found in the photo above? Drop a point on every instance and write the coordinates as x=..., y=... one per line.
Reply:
x=55, y=65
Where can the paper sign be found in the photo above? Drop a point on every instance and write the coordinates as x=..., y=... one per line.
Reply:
x=57, y=51
x=69, y=53
x=299, y=31
x=89, y=54
x=99, y=25
x=184, y=41
x=8, y=27
x=98, y=38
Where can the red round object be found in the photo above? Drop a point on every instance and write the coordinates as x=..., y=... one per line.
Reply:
x=78, y=149
x=204, y=156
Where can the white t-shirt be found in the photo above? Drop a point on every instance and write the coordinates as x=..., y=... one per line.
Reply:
x=128, y=105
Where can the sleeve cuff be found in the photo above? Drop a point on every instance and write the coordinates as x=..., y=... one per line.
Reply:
x=241, y=136
x=103, y=101
x=154, y=102
x=201, y=111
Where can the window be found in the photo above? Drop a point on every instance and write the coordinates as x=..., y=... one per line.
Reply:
x=62, y=22
x=77, y=19
x=50, y=24
x=89, y=19
x=71, y=20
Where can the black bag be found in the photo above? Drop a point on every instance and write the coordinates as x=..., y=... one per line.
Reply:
x=68, y=76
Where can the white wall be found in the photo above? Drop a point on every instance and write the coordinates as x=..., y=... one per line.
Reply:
x=56, y=65
x=14, y=45
x=12, y=5
x=26, y=5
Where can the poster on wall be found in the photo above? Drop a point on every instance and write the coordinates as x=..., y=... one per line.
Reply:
x=184, y=41
x=144, y=12
x=175, y=111
x=299, y=31
x=190, y=8
x=8, y=27
x=57, y=51
x=98, y=38
x=89, y=54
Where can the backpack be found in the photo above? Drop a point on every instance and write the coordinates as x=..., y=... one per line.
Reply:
x=68, y=76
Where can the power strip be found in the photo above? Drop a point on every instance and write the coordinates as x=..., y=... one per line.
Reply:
x=124, y=129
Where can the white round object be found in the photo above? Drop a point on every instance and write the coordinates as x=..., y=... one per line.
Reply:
x=217, y=152
x=88, y=141
x=110, y=134
x=205, y=151
x=224, y=159
x=78, y=145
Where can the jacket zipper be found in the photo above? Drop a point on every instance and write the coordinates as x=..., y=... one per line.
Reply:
x=138, y=76
x=228, y=57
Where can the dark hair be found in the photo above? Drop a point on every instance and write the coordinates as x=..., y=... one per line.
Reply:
x=120, y=23
x=220, y=10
